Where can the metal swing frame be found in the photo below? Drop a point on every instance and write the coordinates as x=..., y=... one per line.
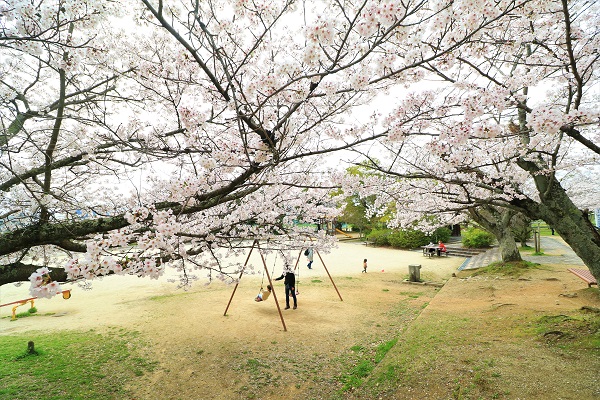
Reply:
x=256, y=244
x=324, y=266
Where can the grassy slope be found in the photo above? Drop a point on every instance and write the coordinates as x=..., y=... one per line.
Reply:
x=495, y=351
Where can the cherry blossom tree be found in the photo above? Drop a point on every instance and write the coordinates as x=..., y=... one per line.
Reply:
x=140, y=135
x=508, y=117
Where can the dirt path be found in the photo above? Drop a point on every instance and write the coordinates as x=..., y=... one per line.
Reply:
x=203, y=352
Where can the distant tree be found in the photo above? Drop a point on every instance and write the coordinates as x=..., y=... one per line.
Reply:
x=355, y=213
x=357, y=209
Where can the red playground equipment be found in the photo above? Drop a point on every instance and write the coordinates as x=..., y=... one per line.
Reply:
x=66, y=294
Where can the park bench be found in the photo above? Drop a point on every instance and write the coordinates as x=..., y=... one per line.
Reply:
x=584, y=274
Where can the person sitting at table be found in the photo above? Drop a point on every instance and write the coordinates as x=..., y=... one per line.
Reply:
x=441, y=248
x=429, y=250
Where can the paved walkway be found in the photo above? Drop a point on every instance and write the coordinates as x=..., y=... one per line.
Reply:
x=555, y=250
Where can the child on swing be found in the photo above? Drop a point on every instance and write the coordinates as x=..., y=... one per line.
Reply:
x=264, y=294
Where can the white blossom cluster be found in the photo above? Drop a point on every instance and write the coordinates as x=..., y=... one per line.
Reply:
x=184, y=133
x=464, y=142
x=42, y=285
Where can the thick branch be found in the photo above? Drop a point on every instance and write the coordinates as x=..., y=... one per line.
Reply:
x=5, y=186
x=49, y=233
x=575, y=134
x=54, y=233
x=19, y=272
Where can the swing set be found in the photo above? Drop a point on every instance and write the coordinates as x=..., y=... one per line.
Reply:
x=256, y=245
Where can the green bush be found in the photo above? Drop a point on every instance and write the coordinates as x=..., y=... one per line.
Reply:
x=441, y=234
x=408, y=239
x=477, y=238
x=379, y=237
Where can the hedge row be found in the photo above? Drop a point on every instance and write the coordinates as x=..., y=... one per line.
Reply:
x=407, y=239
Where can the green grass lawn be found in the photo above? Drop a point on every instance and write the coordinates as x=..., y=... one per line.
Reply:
x=71, y=365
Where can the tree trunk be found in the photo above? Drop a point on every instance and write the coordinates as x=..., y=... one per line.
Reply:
x=572, y=224
x=497, y=221
x=508, y=248
x=456, y=230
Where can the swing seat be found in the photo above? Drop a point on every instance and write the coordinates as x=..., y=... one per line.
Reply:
x=262, y=296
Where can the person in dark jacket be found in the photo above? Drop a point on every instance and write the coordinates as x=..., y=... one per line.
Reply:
x=290, y=286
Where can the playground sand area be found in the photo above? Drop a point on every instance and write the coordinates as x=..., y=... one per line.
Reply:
x=200, y=353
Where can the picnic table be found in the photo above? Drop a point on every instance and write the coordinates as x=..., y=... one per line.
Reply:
x=432, y=250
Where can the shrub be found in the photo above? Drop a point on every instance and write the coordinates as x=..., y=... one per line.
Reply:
x=379, y=237
x=440, y=234
x=476, y=238
x=408, y=239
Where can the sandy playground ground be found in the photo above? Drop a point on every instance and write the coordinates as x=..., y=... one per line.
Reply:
x=117, y=300
x=202, y=354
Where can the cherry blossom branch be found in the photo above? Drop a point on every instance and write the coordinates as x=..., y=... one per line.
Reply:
x=158, y=14
x=570, y=53
x=575, y=134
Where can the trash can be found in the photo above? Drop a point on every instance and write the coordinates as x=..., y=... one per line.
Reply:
x=414, y=272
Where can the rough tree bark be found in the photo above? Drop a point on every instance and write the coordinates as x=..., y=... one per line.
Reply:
x=20, y=272
x=572, y=224
x=497, y=221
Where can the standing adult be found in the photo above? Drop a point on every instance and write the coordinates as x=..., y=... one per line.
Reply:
x=290, y=286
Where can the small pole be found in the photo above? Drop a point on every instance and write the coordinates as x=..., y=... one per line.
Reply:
x=31, y=348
